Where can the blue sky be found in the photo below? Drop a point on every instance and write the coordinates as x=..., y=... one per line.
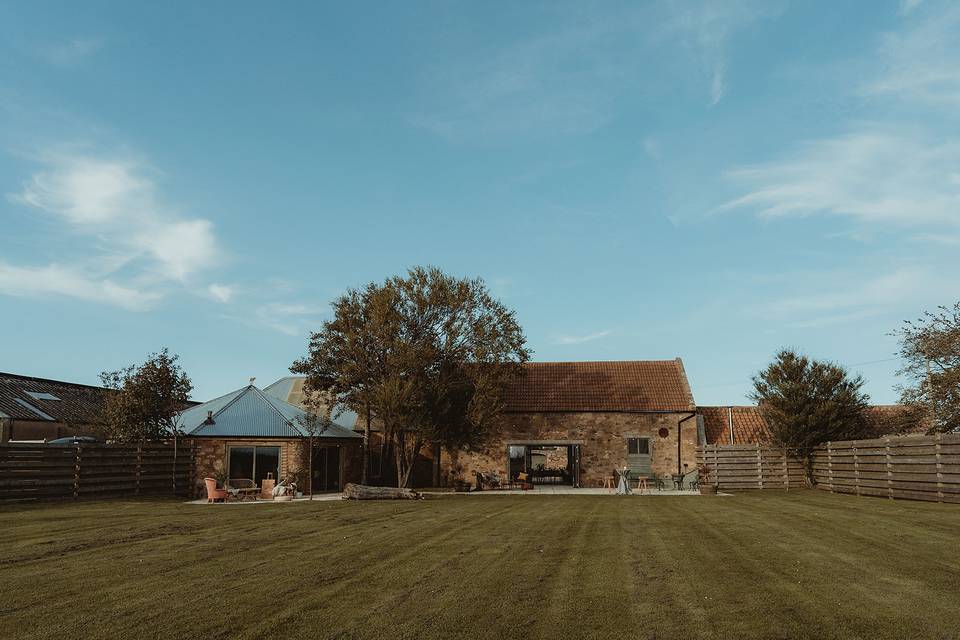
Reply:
x=709, y=180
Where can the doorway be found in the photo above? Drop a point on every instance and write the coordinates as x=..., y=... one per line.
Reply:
x=326, y=468
x=545, y=463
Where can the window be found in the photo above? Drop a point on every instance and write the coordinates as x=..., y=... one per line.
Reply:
x=254, y=463
x=638, y=446
x=41, y=395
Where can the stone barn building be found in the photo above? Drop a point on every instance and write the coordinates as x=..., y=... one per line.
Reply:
x=572, y=422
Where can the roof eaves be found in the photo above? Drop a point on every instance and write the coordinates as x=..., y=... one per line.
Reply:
x=691, y=403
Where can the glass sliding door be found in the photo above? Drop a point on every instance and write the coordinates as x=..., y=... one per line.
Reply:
x=326, y=468
x=253, y=463
x=517, y=455
x=267, y=461
x=240, y=465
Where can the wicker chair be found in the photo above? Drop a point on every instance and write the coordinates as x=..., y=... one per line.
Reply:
x=214, y=494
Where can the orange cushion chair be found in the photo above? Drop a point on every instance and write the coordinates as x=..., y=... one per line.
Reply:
x=214, y=494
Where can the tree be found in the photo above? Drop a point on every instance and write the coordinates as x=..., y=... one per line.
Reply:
x=930, y=348
x=315, y=421
x=147, y=399
x=427, y=354
x=807, y=402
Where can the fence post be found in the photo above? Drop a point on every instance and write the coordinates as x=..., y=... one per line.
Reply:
x=716, y=467
x=139, y=466
x=939, y=471
x=889, y=461
x=856, y=469
x=759, y=466
x=786, y=470
x=830, y=464
x=76, y=474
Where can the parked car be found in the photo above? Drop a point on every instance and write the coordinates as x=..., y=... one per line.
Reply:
x=72, y=441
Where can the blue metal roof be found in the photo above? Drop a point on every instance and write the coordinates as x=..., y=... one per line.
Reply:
x=249, y=412
x=290, y=390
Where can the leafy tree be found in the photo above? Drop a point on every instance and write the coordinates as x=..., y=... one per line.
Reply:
x=930, y=347
x=807, y=402
x=148, y=398
x=428, y=354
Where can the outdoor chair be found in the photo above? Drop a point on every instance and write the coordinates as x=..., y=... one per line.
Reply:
x=214, y=494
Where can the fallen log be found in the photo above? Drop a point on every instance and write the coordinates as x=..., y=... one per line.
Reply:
x=363, y=492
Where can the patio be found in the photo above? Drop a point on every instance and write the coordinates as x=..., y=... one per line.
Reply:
x=581, y=491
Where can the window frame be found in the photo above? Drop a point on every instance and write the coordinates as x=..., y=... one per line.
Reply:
x=253, y=468
x=636, y=440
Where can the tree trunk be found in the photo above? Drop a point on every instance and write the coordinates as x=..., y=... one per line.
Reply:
x=411, y=461
x=310, y=472
x=366, y=449
x=401, y=456
x=362, y=492
x=808, y=471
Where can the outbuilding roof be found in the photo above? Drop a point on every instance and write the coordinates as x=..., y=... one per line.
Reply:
x=627, y=386
x=29, y=398
x=749, y=426
x=290, y=389
x=251, y=413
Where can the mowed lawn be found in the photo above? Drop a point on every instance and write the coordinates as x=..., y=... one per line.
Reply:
x=798, y=564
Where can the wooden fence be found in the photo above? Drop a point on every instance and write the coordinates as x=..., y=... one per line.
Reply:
x=40, y=471
x=751, y=466
x=907, y=467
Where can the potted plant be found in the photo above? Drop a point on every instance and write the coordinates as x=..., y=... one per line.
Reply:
x=220, y=475
x=705, y=480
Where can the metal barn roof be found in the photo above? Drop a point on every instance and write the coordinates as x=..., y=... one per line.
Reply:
x=251, y=413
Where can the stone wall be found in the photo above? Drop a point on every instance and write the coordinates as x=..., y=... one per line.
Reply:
x=602, y=438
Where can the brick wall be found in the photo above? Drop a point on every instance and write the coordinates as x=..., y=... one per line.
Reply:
x=601, y=436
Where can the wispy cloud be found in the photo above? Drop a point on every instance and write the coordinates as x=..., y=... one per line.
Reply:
x=569, y=339
x=220, y=292
x=906, y=6
x=921, y=62
x=137, y=244
x=872, y=177
x=292, y=319
x=72, y=282
x=838, y=298
x=707, y=28
x=70, y=52
x=570, y=79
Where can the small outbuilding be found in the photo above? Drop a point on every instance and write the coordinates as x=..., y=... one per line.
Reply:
x=255, y=436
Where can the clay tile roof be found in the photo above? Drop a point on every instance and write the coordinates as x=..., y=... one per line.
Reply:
x=638, y=385
x=749, y=427
x=891, y=419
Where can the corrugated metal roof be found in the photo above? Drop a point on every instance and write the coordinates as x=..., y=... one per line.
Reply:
x=249, y=412
x=290, y=390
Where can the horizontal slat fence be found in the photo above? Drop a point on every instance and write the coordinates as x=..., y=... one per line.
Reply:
x=39, y=471
x=751, y=466
x=905, y=467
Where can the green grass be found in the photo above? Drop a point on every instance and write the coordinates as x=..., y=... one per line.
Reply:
x=799, y=564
